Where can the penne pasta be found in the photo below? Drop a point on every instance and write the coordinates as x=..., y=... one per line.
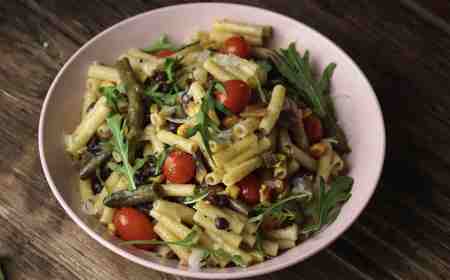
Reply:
x=172, y=139
x=86, y=189
x=107, y=215
x=212, y=212
x=105, y=73
x=232, y=239
x=221, y=36
x=182, y=253
x=289, y=233
x=90, y=97
x=179, y=190
x=273, y=109
x=240, y=28
x=263, y=145
x=238, y=147
x=177, y=211
x=239, y=172
x=284, y=244
x=304, y=159
x=245, y=127
x=270, y=248
x=150, y=135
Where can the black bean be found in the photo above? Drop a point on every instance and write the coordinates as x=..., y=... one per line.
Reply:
x=105, y=172
x=96, y=186
x=172, y=127
x=139, y=179
x=164, y=87
x=221, y=223
x=93, y=145
x=219, y=200
x=160, y=76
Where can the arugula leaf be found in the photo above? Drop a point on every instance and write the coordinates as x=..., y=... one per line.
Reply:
x=160, y=98
x=198, y=196
x=169, y=68
x=222, y=254
x=204, y=123
x=120, y=144
x=163, y=43
x=188, y=242
x=113, y=95
x=160, y=161
x=328, y=202
x=267, y=210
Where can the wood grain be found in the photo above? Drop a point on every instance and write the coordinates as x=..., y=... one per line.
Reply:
x=403, y=234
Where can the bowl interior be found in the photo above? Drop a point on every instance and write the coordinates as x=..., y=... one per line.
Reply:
x=357, y=107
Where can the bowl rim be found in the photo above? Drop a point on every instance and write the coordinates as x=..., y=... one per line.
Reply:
x=201, y=274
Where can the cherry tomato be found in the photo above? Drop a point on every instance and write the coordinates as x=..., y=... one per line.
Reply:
x=134, y=225
x=179, y=167
x=249, y=189
x=236, y=96
x=313, y=128
x=238, y=46
x=164, y=53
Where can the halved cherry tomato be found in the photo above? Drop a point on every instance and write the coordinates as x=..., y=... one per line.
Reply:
x=313, y=128
x=238, y=46
x=164, y=53
x=179, y=167
x=249, y=189
x=236, y=96
x=134, y=225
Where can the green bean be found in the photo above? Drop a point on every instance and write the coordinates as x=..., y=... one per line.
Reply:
x=125, y=198
x=135, y=115
x=91, y=166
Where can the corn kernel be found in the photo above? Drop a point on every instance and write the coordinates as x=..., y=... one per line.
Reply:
x=232, y=191
x=230, y=121
x=307, y=112
x=182, y=130
x=318, y=149
x=264, y=194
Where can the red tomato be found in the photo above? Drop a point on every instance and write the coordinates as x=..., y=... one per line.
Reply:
x=238, y=46
x=134, y=225
x=236, y=96
x=164, y=53
x=250, y=189
x=313, y=128
x=179, y=167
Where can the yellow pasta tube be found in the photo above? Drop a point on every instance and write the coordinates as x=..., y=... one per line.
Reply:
x=91, y=96
x=238, y=147
x=273, y=110
x=239, y=27
x=207, y=223
x=88, y=126
x=304, y=159
x=150, y=135
x=250, y=240
x=221, y=36
x=239, y=172
x=166, y=235
x=289, y=233
x=107, y=216
x=180, y=190
x=101, y=72
x=236, y=225
x=86, y=190
x=246, y=127
x=232, y=250
x=173, y=139
x=270, y=248
x=176, y=227
x=214, y=178
x=293, y=167
x=177, y=211
x=284, y=244
x=252, y=151
x=217, y=71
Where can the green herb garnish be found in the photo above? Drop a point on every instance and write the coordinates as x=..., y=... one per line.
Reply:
x=217, y=104
x=276, y=208
x=205, y=125
x=113, y=95
x=160, y=161
x=222, y=254
x=161, y=98
x=169, y=68
x=314, y=92
x=163, y=43
x=198, y=196
x=328, y=202
x=120, y=145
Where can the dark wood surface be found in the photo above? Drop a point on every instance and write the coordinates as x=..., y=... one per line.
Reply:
x=404, y=48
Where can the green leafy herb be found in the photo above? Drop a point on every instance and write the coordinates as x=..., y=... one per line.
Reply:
x=188, y=242
x=198, y=196
x=160, y=98
x=163, y=43
x=113, y=95
x=328, y=202
x=217, y=104
x=169, y=68
x=205, y=125
x=263, y=210
x=265, y=65
x=298, y=72
x=222, y=254
x=160, y=161
x=120, y=144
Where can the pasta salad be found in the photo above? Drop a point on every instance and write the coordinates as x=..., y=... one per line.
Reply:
x=220, y=152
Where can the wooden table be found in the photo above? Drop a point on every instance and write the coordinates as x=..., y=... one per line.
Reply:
x=404, y=48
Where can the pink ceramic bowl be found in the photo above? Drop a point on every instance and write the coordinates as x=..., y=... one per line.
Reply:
x=357, y=106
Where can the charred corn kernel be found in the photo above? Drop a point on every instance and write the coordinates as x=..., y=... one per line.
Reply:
x=232, y=191
x=112, y=228
x=318, y=149
x=264, y=194
x=307, y=112
x=182, y=130
x=107, y=84
x=230, y=121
